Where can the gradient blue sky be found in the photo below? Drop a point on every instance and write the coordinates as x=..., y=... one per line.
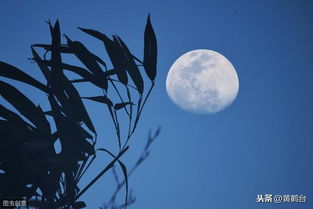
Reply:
x=261, y=144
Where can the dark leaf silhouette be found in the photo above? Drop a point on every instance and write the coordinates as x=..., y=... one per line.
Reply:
x=102, y=99
x=12, y=116
x=75, y=69
x=131, y=66
x=42, y=66
x=115, y=54
x=79, y=204
x=150, y=51
x=55, y=47
x=62, y=49
x=84, y=55
x=122, y=105
x=77, y=104
x=54, y=163
x=12, y=72
x=25, y=106
x=96, y=79
x=67, y=50
x=89, y=60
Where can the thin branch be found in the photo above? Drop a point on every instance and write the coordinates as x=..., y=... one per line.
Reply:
x=123, y=84
x=143, y=156
x=118, y=131
x=108, y=167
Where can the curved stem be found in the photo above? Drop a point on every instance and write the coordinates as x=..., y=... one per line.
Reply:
x=108, y=167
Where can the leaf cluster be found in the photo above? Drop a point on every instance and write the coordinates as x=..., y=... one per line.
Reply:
x=30, y=166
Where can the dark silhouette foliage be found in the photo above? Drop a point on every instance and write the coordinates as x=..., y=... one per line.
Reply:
x=30, y=167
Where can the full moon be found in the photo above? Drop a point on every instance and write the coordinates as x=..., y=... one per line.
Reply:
x=202, y=81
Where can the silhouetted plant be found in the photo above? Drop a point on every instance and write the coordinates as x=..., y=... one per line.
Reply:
x=29, y=164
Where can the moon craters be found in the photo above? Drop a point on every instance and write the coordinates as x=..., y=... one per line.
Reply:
x=202, y=81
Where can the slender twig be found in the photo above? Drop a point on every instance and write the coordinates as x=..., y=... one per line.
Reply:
x=108, y=167
x=149, y=92
x=130, y=111
x=143, y=156
x=135, y=122
x=83, y=172
x=114, y=80
x=139, y=110
x=119, y=95
x=118, y=133
x=110, y=111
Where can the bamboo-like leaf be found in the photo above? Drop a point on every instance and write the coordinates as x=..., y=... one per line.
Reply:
x=42, y=66
x=88, y=59
x=70, y=101
x=25, y=106
x=55, y=47
x=102, y=99
x=62, y=49
x=79, y=204
x=84, y=55
x=94, y=33
x=67, y=50
x=150, y=51
x=75, y=69
x=12, y=116
x=115, y=54
x=73, y=138
x=96, y=79
x=132, y=68
x=57, y=82
x=122, y=105
x=12, y=72
x=77, y=104
x=85, y=146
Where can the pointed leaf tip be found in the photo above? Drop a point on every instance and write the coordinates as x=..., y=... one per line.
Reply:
x=122, y=105
x=150, y=51
x=101, y=99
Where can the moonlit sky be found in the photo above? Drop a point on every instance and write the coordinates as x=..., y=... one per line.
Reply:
x=261, y=144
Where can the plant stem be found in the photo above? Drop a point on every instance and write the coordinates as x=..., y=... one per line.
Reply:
x=108, y=167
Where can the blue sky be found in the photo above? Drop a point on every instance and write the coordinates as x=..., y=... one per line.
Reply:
x=261, y=144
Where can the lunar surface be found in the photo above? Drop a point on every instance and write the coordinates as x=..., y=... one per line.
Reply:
x=202, y=81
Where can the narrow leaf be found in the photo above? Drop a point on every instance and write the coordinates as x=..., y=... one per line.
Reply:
x=12, y=116
x=55, y=47
x=75, y=69
x=102, y=99
x=84, y=55
x=42, y=66
x=132, y=67
x=89, y=60
x=115, y=54
x=122, y=105
x=12, y=72
x=150, y=51
x=77, y=104
x=62, y=49
x=25, y=106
